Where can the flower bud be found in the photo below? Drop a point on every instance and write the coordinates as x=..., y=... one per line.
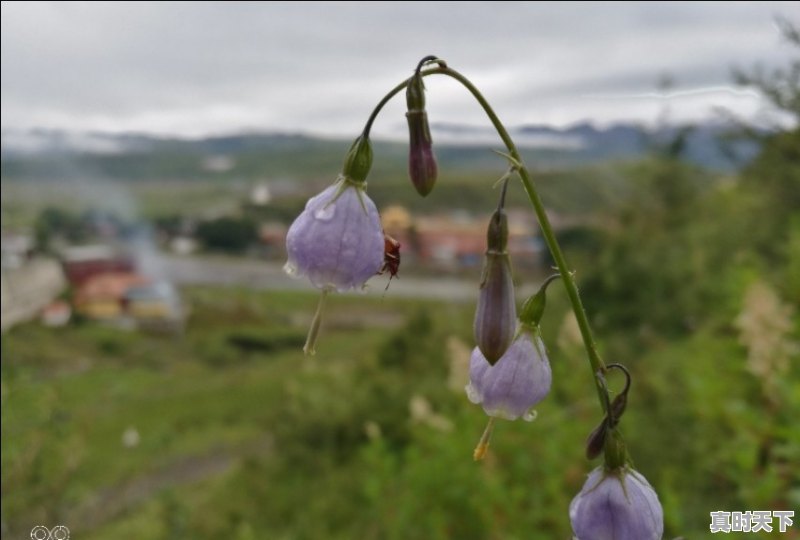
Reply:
x=533, y=308
x=496, y=314
x=616, y=504
x=597, y=440
x=422, y=168
x=497, y=233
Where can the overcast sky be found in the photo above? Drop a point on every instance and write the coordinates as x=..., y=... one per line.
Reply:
x=208, y=68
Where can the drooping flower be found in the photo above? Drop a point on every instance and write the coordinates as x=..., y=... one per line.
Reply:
x=517, y=382
x=337, y=241
x=616, y=505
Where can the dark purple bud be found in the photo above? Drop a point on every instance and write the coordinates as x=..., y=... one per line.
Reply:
x=618, y=407
x=422, y=168
x=616, y=504
x=496, y=314
x=596, y=440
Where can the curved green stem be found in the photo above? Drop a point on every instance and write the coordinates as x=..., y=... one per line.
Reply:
x=381, y=103
x=595, y=361
x=441, y=69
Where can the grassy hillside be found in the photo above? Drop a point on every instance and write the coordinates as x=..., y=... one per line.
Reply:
x=240, y=436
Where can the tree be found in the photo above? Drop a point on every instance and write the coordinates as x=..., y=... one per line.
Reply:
x=772, y=179
x=227, y=234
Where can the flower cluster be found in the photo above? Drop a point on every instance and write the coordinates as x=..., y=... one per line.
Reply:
x=338, y=243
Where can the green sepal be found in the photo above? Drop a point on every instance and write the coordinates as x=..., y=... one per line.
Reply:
x=358, y=161
x=616, y=453
x=533, y=308
x=415, y=93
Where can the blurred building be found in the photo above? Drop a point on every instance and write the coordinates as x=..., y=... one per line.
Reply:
x=16, y=249
x=83, y=262
x=183, y=245
x=396, y=220
x=457, y=239
x=102, y=296
x=260, y=195
x=56, y=313
x=27, y=288
x=153, y=304
x=130, y=299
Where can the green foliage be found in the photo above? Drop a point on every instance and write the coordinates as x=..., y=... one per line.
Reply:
x=264, y=443
x=227, y=234
x=57, y=222
x=772, y=184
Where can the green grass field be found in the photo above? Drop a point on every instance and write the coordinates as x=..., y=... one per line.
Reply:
x=240, y=436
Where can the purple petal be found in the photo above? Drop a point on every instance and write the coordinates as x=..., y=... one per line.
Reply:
x=517, y=382
x=496, y=313
x=616, y=506
x=336, y=241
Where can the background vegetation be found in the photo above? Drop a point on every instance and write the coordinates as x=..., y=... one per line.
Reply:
x=691, y=278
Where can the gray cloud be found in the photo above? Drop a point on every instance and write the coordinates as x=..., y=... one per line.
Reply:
x=197, y=68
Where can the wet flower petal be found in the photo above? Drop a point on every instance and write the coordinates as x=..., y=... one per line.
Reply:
x=517, y=382
x=337, y=241
x=618, y=505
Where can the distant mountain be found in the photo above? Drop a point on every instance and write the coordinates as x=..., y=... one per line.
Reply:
x=703, y=144
x=48, y=153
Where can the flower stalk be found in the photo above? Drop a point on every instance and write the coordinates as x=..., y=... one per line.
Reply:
x=596, y=363
x=509, y=372
x=309, y=349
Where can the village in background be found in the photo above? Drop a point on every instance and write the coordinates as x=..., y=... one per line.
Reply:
x=97, y=267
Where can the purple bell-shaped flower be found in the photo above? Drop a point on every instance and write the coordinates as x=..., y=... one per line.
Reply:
x=337, y=241
x=616, y=504
x=518, y=381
